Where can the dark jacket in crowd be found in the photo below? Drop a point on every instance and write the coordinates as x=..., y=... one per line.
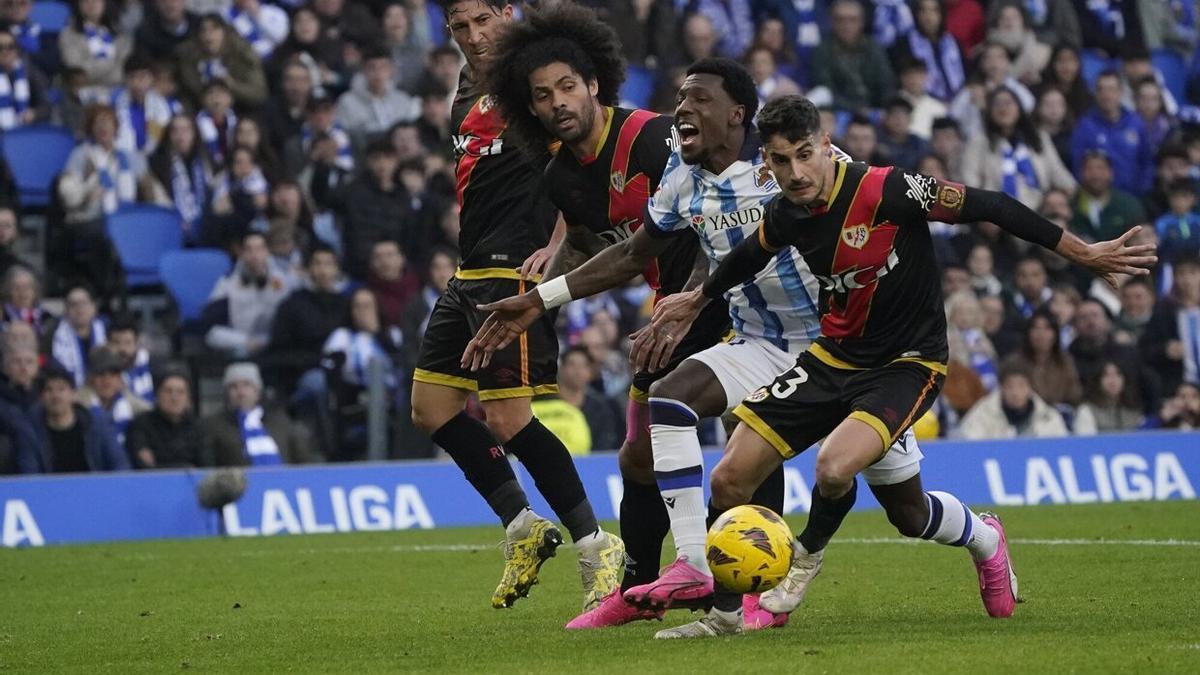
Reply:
x=159, y=42
x=369, y=214
x=100, y=448
x=1162, y=329
x=18, y=438
x=173, y=444
x=226, y=447
x=302, y=324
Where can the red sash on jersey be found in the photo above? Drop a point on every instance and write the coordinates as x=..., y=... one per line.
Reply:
x=627, y=196
x=862, y=249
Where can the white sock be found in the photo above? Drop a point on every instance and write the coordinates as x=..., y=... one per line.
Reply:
x=594, y=539
x=953, y=524
x=679, y=470
x=522, y=523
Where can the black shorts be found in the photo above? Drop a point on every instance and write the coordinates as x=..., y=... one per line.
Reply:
x=711, y=327
x=804, y=404
x=526, y=368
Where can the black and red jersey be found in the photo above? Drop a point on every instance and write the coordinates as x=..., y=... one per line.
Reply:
x=608, y=191
x=871, y=250
x=504, y=213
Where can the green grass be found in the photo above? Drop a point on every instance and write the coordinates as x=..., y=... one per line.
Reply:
x=370, y=602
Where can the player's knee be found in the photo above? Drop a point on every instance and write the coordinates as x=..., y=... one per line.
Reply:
x=908, y=519
x=729, y=487
x=636, y=463
x=428, y=420
x=504, y=424
x=833, y=477
x=668, y=388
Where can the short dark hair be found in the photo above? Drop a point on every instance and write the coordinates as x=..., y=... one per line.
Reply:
x=1015, y=369
x=317, y=249
x=495, y=5
x=215, y=83
x=947, y=124
x=1108, y=72
x=123, y=323
x=735, y=80
x=138, y=61
x=1187, y=260
x=578, y=349
x=909, y=64
x=375, y=52
x=1095, y=153
x=898, y=102
x=51, y=373
x=793, y=117
x=1182, y=186
x=380, y=146
x=442, y=249
x=563, y=33
x=170, y=373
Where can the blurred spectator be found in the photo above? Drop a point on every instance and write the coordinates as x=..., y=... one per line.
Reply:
x=770, y=82
x=98, y=178
x=1012, y=411
x=9, y=234
x=1054, y=21
x=38, y=45
x=1051, y=370
x=182, y=175
x=347, y=22
x=143, y=114
x=243, y=304
x=613, y=374
x=731, y=19
x=995, y=71
x=166, y=25
x=17, y=434
x=1171, y=343
x=1031, y=289
x=1118, y=133
x=1151, y=109
x=23, y=87
x=92, y=43
x=76, y=333
x=564, y=420
x=948, y=144
x=1110, y=27
x=304, y=321
x=1014, y=157
x=322, y=141
x=1095, y=343
x=1179, y=228
x=1137, y=306
x=930, y=42
x=897, y=143
x=216, y=122
x=106, y=394
x=925, y=108
x=169, y=436
x=445, y=62
x=21, y=369
x=605, y=421
x=406, y=35
x=372, y=208
x=133, y=359
x=1063, y=304
x=1170, y=25
x=1010, y=30
x=1053, y=120
x=23, y=300
x=964, y=20
x=1181, y=411
x=1065, y=73
x=1172, y=164
x=262, y=26
x=1102, y=211
x=248, y=133
x=219, y=53
x=442, y=263
x=853, y=70
x=892, y=19
x=73, y=440
x=247, y=432
x=321, y=55
x=861, y=142
x=983, y=277
x=240, y=198
x=969, y=344
x=285, y=113
x=289, y=226
x=646, y=29
x=1110, y=403
x=375, y=105
x=433, y=127
x=391, y=280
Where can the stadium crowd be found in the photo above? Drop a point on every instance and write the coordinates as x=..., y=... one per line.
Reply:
x=312, y=142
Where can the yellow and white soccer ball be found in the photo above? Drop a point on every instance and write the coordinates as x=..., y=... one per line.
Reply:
x=749, y=549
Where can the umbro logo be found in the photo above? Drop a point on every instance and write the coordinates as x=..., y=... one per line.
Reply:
x=670, y=502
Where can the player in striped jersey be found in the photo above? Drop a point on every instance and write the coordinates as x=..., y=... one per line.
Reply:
x=716, y=185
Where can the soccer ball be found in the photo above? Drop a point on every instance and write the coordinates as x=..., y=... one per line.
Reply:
x=749, y=549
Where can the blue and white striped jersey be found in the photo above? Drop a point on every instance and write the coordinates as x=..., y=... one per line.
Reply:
x=780, y=304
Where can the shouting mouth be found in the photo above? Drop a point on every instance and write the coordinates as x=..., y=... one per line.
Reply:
x=689, y=134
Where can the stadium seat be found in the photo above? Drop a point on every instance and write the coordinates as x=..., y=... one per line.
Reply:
x=52, y=16
x=36, y=154
x=190, y=275
x=1170, y=65
x=1093, y=63
x=142, y=233
x=638, y=88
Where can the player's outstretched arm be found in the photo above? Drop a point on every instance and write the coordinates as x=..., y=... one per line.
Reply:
x=1105, y=258
x=651, y=349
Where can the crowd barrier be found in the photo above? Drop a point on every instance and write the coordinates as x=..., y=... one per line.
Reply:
x=43, y=510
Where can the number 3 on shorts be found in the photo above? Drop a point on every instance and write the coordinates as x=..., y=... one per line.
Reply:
x=788, y=387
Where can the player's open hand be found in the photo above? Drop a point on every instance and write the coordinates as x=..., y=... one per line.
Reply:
x=537, y=261
x=652, y=348
x=680, y=308
x=1108, y=259
x=508, y=319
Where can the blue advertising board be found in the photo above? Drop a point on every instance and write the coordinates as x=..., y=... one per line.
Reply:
x=41, y=510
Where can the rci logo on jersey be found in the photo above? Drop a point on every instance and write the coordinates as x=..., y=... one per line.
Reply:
x=617, y=181
x=856, y=236
x=858, y=278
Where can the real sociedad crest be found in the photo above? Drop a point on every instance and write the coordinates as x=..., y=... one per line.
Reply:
x=763, y=178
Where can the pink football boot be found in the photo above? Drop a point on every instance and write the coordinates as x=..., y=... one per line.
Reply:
x=612, y=611
x=679, y=585
x=997, y=581
x=754, y=617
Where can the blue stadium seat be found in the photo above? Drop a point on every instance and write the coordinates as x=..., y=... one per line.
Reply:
x=142, y=233
x=1170, y=64
x=1093, y=63
x=37, y=154
x=638, y=88
x=52, y=16
x=190, y=275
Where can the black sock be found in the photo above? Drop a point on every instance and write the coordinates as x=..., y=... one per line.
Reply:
x=554, y=474
x=723, y=598
x=770, y=493
x=825, y=516
x=644, y=525
x=475, y=451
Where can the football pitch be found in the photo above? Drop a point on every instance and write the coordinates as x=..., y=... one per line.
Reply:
x=1108, y=588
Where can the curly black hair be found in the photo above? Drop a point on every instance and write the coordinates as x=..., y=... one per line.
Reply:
x=793, y=117
x=735, y=80
x=562, y=33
